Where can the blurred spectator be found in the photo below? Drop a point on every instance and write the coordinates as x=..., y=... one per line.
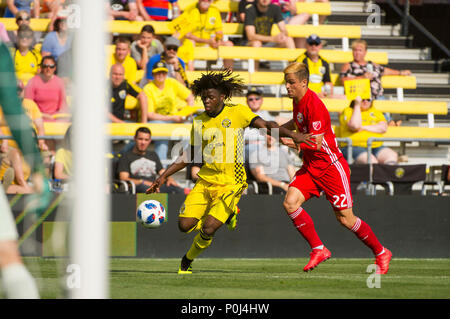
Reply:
x=259, y=19
x=272, y=164
x=14, y=6
x=289, y=10
x=123, y=10
x=360, y=121
x=52, y=9
x=26, y=59
x=175, y=65
x=3, y=33
x=146, y=46
x=142, y=166
x=166, y=96
x=122, y=55
x=207, y=30
x=156, y=10
x=252, y=136
x=319, y=69
x=62, y=169
x=23, y=18
x=12, y=158
x=48, y=91
x=58, y=41
x=121, y=88
x=244, y=5
x=359, y=68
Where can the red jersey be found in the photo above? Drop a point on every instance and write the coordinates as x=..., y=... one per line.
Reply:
x=311, y=116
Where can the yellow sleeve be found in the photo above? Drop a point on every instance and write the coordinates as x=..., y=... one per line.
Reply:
x=245, y=114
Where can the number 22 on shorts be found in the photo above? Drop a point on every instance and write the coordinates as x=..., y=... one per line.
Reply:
x=340, y=201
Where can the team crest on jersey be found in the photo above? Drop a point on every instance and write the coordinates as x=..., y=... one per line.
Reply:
x=316, y=125
x=226, y=123
x=212, y=20
x=122, y=94
x=299, y=118
x=322, y=69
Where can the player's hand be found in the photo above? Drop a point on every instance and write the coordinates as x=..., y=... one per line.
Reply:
x=289, y=142
x=155, y=186
x=304, y=138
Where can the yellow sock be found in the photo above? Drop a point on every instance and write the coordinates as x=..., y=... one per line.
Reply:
x=200, y=243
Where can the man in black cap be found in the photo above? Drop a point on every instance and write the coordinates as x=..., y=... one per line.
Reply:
x=319, y=69
x=175, y=65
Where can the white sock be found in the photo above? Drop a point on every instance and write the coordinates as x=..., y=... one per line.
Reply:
x=319, y=247
x=18, y=282
x=382, y=252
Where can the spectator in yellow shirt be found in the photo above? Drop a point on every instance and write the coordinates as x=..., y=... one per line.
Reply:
x=166, y=96
x=26, y=59
x=360, y=121
x=122, y=55
x=205, y=30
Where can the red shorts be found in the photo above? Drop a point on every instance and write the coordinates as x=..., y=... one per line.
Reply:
x=335, y=183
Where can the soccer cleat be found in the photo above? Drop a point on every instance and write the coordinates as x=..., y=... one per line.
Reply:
x=186, y=266
x=232, y=220
x=382, y=261
x=317, y=256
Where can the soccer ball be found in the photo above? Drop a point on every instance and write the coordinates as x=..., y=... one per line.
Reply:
x=151, y=214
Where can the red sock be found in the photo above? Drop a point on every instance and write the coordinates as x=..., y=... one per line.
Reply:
x=304, y=224
x=366, y=235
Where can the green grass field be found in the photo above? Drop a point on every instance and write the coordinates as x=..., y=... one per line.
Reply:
x=258, y=279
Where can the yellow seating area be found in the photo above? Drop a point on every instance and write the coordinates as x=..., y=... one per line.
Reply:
x=163, y=28
x=321, y=8
x=177, y=131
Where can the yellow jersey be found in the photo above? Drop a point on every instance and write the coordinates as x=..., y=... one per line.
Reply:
x=204, y=25
x=169, y=100
x=26, y=65
x=319, y=72
x=369, y=117
x=130, y=66
x=222, y=144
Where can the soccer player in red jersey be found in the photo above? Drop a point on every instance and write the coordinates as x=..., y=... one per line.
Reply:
x=324, y=170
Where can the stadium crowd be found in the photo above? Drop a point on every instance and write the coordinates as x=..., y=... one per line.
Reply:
x=149, y=71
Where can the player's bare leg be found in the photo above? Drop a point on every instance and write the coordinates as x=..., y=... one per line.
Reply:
x=305, y=226
x=363, y=231
x=17, y=281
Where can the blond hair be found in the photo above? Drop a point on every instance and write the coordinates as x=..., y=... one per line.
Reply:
x=299, y=69
x=359, y=41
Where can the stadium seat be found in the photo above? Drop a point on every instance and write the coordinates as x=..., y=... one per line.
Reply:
x=398, y=178
x=359, y=173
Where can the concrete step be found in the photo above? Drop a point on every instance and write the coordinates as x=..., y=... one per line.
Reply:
x=347, y=6
x=361, y=18
x=375, y=41
x=405, y=54
x=432, y=78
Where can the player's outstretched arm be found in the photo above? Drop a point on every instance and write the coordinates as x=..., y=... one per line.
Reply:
x=181, y=162
x=284, y=131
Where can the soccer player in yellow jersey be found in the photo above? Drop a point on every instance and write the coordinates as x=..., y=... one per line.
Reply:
x=216, y=141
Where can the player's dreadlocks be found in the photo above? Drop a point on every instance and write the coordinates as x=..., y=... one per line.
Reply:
x=222, y=80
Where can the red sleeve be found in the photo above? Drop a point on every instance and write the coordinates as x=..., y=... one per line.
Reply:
x=318, y=117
